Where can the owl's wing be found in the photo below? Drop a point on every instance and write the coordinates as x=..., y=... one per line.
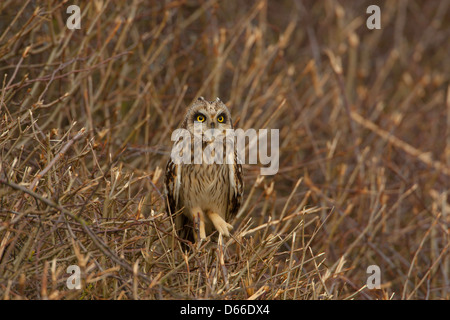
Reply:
x=174, y=205
x=236, y=189
x=172, y=184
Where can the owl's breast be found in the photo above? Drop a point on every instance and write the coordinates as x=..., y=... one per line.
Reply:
x=206, y=186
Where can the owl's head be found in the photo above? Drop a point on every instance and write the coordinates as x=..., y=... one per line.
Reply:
x=209, y=114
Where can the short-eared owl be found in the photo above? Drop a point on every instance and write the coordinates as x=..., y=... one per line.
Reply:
x=204, y=197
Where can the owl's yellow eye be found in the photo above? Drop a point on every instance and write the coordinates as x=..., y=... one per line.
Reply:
x=221, y=119
x=200, y=118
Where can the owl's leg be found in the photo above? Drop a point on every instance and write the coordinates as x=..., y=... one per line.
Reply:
x=199, y=220
x=221, y=225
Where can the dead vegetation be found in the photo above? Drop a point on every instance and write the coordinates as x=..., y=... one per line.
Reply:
x=364, y=118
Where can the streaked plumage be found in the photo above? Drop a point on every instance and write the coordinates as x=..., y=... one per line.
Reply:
x=204, y=197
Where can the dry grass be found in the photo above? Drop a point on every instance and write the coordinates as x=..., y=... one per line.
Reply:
x=364, y=119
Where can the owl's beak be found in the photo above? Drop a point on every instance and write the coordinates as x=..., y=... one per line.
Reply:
x=213, y=125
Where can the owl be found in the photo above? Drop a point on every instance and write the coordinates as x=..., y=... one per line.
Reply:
x=204, y=197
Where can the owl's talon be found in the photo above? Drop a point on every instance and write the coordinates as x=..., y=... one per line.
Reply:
x=220, y=224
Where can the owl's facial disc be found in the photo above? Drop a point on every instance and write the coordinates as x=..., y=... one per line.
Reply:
x=212, y=116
